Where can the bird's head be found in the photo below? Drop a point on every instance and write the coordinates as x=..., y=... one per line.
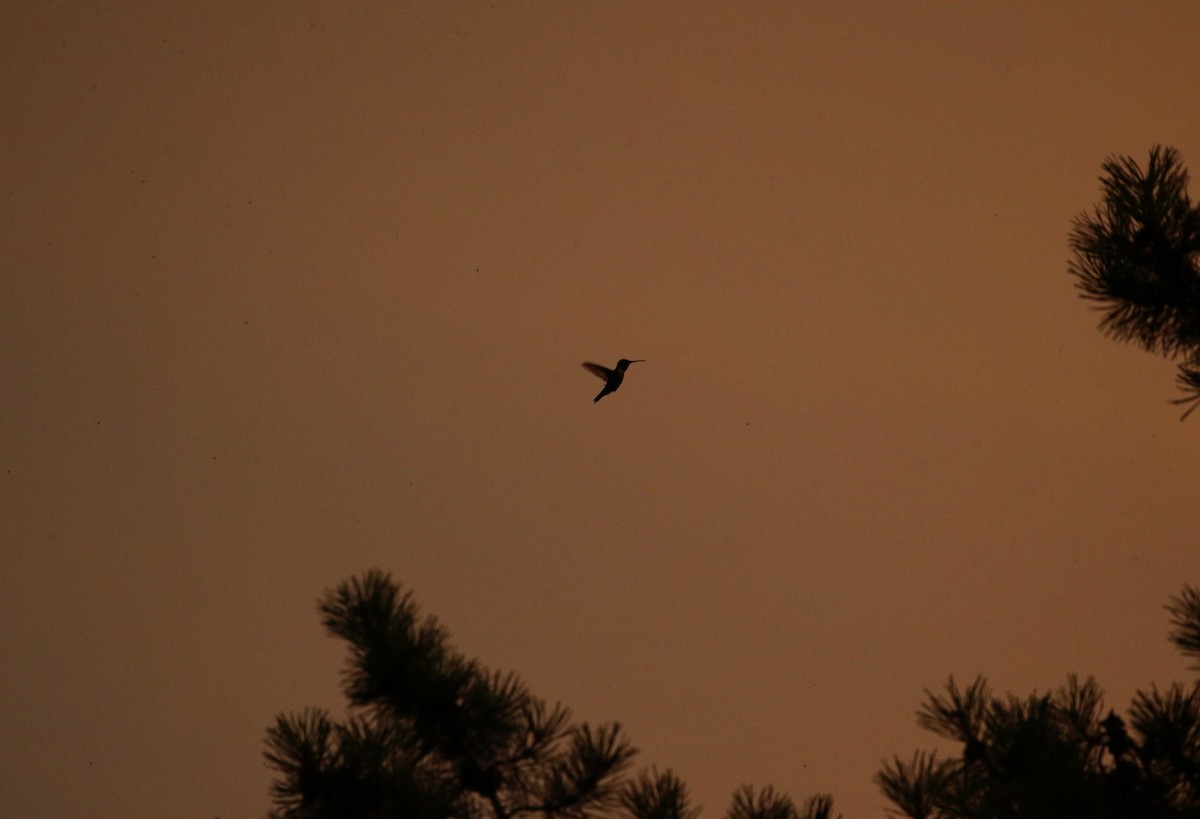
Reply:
x=625, y=362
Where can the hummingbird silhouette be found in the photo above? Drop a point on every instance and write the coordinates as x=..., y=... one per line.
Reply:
x=612, y=378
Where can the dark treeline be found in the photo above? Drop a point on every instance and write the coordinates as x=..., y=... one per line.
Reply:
x=431, y=733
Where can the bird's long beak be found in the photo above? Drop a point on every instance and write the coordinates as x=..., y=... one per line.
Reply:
x=636, y=360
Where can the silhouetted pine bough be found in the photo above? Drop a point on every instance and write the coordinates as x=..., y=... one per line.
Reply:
x=1058, y=754
x=433, y=734
x=1137, y=256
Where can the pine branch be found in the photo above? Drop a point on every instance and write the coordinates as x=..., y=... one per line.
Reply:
x=1185, y=621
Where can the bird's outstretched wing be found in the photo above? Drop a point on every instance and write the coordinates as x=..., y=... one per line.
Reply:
x=597, y=370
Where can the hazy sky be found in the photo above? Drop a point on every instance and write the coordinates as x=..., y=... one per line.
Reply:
x=292, y=290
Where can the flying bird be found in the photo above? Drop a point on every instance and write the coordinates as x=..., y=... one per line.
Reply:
x=612, y=378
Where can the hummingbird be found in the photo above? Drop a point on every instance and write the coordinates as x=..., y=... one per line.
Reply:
x=612, y=378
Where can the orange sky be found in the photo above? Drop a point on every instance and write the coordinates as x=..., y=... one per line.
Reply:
x=301, y=290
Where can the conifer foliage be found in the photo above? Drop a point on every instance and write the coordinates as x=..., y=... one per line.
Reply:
x=1137, y=257
x=1058, y=755
x=431, y=734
